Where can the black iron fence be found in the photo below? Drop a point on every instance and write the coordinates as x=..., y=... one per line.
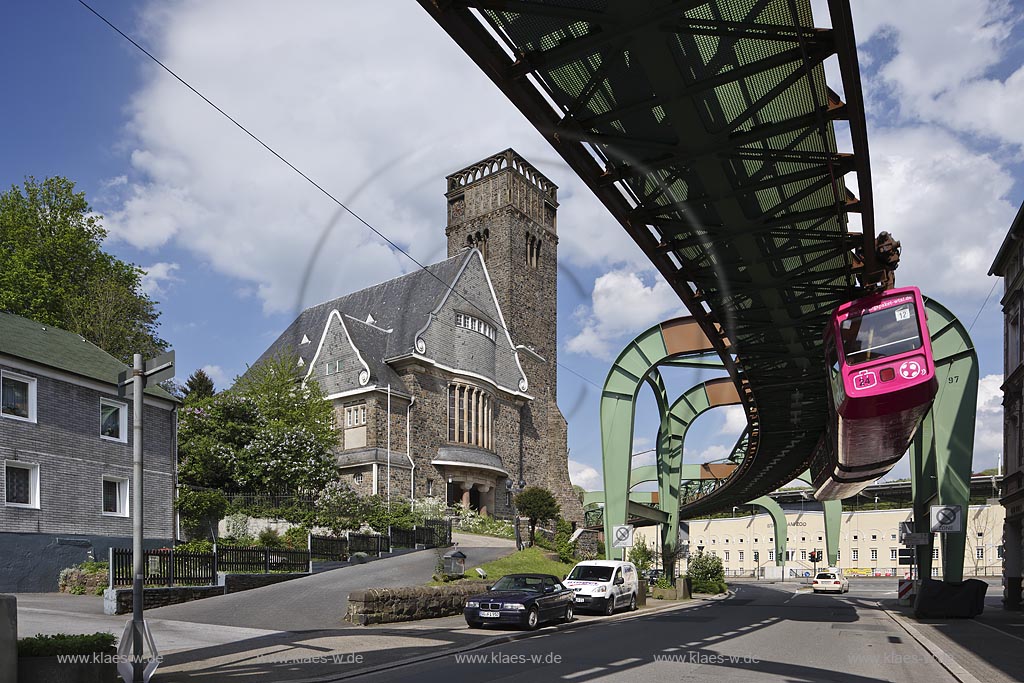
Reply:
x=261, y=560
x=328, y=548
x=403, y=538
x=164, y=567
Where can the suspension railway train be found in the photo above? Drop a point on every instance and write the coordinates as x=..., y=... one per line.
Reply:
x=881, y=377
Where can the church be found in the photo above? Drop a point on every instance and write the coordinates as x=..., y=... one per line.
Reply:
x=444, y=380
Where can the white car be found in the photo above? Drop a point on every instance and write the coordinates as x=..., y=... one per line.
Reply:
x=604, y=585
x=830, y=582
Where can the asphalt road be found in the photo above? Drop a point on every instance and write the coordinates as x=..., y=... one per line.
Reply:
x=319, y=601
x=775, y=632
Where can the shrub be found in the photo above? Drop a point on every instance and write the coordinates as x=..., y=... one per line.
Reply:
x=642, y=555
x=269, y=538
x=663, y=582
x=473, y=523
x=200, y=510
x=708, y=586
x=296, y=538
x=199, y=545
x=566, y=549
x=88, y=577
x=705, y=567
x=63, y=644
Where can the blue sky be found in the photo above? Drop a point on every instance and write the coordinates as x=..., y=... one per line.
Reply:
x=227, y=232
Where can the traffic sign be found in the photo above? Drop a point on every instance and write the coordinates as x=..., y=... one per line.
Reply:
x=947, y=519
x=906, y=528
x=906, y=556
x=917, y=539
x=622, y=536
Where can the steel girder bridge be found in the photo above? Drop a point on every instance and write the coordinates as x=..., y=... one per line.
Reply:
x=707, y=130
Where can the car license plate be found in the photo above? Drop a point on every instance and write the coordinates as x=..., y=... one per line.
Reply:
x=489, y=615
x=580, y=600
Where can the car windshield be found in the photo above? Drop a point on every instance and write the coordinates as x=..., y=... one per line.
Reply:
x=825, y=576
x=533, y=584
x=881, y=334
x=589, y=572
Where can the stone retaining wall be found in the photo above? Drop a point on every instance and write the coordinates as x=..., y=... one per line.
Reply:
x=386, y=605
x=119, y=600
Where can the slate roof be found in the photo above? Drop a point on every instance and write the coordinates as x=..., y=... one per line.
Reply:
x=401, y=305
x=57, y=348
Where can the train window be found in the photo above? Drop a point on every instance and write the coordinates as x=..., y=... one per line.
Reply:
x=888, y=332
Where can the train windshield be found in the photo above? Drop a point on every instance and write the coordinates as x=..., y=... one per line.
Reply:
x=880, y=334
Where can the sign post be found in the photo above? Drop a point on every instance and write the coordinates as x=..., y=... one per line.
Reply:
x=154, y=370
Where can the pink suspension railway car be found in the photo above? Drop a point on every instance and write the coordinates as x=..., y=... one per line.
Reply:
x=881, y=378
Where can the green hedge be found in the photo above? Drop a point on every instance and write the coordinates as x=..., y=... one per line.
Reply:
x=63, y=644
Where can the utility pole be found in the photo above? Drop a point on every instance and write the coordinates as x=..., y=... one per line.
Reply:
x=153, y=370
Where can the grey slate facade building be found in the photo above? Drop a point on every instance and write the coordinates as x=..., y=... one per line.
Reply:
x=452, y=369
x=66, y=455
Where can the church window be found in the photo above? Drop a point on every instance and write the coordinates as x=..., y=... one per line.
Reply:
x=470, y=416
x=471, y=323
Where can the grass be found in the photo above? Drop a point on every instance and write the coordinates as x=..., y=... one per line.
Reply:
x=526, y=561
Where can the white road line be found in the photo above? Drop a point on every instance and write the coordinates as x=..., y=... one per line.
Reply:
x=587, y=672
x=623, y=662
x=671, y=649
x=997, y=630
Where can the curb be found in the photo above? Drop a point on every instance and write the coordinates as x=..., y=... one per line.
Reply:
x=944, y=659
x=512, y=637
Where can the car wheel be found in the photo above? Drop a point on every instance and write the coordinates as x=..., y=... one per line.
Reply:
x=632, y=603
x=533, y=619
x=609, y=606
x=815, y=590
x=474, y=624
x=568, y=613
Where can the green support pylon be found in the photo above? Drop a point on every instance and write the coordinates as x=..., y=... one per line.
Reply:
x=781, y=530
x=833, y=511
x=942, y=452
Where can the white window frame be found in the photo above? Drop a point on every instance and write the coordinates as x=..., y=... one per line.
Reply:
x=855, y=555
x=123, y=493
x=31, y=381
x=894, y=553
x=33, y=484
x=979, y=553
x=874, y=554
x=122, y=420
x=357, y=478
x=355, y=415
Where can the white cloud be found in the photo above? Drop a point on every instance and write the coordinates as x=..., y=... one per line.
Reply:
x=941, y=67
x=375, y=128
x=928, y=184
x=157, y=276
x=988, y=432
x=585, y=476
x=622, y=304
x=713, y=452
x=734, y=421
x=220, y=377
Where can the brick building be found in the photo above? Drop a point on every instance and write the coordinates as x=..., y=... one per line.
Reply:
x=66, y=453
x=446, y=377
x=1009, y=264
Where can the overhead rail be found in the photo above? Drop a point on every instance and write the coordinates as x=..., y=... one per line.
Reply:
x=707, y=131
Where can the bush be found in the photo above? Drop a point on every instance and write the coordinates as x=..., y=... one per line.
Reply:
x=566, y=549
x=471, y=522
x=63, y=644
x=296, y=538
x=199, y=545
x=663, y=583
x=200, y=510
x=88, y=577
x=269, y=538
x=642, y=556
x=706, y=568
x=708, y=586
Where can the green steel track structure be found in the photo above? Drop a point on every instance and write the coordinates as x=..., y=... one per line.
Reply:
x=706, y=129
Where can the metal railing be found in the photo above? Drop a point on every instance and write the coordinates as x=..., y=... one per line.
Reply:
x=164, y=567
x=261, y=560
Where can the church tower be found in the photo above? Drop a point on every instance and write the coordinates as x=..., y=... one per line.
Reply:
x=507, y=209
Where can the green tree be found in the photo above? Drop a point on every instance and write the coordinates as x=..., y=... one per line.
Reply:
x=538, y=505
x=269, y=431
x=706, y=573
x=198, y=385
x=642, y=555
x=579, y=492
x=54, y=271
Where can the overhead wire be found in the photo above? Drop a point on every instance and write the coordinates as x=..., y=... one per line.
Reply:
x=304, y=176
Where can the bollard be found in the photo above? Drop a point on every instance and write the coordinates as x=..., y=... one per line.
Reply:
x=8, y=638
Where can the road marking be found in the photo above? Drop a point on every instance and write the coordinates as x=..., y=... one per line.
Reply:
x=587, y=672
x=623, y=662
x=671, y=649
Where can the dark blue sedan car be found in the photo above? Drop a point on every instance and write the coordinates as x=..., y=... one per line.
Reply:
x=521, y=600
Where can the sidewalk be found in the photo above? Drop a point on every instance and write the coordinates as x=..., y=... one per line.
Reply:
x=986, y=649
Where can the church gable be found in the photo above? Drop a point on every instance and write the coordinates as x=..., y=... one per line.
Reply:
x=338, y=365
x=467, y=332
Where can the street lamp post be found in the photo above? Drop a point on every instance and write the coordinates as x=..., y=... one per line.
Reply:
x=515, y=510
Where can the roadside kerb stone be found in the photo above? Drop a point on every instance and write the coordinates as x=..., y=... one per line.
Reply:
x=941, y=656
x=519, y=635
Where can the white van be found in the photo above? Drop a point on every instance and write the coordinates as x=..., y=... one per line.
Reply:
x=603, y=585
